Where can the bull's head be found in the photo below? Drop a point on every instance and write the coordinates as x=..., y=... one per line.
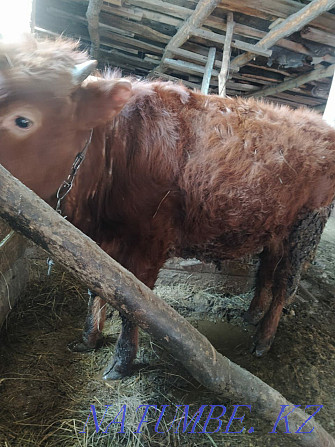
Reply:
x=47, y=112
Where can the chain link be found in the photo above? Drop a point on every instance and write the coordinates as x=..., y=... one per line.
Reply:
x=67, y=184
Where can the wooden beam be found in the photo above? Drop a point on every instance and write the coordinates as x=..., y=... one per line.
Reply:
x=246, y=31
x=196, y=57
x=317, y=73
x=191, y=55
x=241, y=45
x=209, y=35
x=203, y=9
x=165, y=8
x=114, y=2
x=160, y=11
x=34, y=219
x=293, y=23
x=224, y=72
x=183, y=66
x=219, y=38
x=92, y=14
x=329, y=113
x=208, y=70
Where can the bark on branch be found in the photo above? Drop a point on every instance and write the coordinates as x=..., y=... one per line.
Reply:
x=29, y=215
x=92, y=14
x=224, y=72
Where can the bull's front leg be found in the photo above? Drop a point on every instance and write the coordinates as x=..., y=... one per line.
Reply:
x=125, y=351
x=95, y=320
x=144, y=263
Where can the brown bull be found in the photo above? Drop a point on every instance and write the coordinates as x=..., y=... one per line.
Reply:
x=168, y=170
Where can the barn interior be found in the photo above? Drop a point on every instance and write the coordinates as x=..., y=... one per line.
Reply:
x=272, y=50
x=275, y=50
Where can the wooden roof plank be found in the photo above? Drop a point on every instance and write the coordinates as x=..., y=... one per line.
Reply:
x=321, y=72
x=271, y=10
x=160, y=11
x=219, y=38
x=138, y=44
x=293, y=23
x=83, y=20
x=162, y=7
x=316, y=35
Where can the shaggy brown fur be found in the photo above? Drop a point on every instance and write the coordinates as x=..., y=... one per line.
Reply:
x=175, y=171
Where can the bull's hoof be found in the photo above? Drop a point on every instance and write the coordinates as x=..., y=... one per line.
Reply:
x=81, y=346
x=261, y=347
x=117, y=371
x=253, y=316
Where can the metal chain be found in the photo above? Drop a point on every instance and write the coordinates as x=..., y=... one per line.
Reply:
x=67, y=184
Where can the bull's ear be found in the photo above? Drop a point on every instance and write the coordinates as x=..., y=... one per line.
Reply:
x=99, y=101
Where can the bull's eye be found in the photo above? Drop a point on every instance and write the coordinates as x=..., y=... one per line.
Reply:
x=23, y=123
x=21, y=120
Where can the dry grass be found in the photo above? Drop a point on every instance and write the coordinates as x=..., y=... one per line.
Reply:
x=46, y=391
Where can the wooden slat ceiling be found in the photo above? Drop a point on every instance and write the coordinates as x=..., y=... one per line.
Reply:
x=134, y=35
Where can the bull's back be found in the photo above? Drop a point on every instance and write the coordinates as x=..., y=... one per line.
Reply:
x=253, y=168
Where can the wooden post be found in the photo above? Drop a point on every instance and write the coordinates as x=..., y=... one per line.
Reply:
x=224, y=72
x=317, y=73
x=293, y=23
x=329, y=113
x=28, y=214
x=208, y=70
x=92, y=14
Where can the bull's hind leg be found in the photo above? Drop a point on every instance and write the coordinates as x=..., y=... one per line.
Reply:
x=264, y=282
x=299, y=249
x=95, y=320
x=268, y=325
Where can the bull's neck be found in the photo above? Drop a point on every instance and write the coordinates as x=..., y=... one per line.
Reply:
x=77, y=205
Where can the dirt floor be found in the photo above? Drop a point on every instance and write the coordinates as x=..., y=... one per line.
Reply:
x=46, y=391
